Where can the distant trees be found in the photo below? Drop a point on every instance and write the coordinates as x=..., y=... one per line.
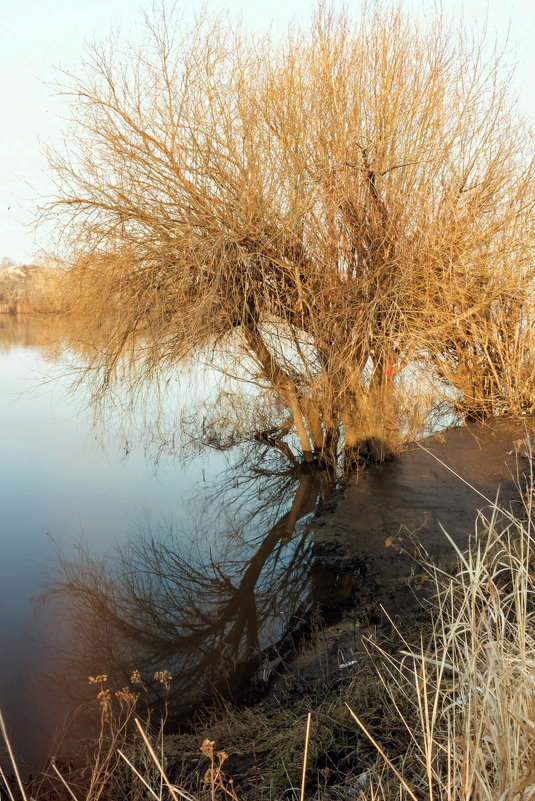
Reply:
x=349, y=209
x=29, y=288
x=15, y=286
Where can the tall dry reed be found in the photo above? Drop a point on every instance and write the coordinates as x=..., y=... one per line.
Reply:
x=472, y=687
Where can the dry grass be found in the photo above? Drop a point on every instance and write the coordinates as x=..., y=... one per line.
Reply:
x=471, y=688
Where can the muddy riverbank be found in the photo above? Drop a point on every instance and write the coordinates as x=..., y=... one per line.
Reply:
x=371, y=539
x=369, y=544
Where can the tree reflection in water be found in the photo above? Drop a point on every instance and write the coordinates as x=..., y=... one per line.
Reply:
x=207, y=618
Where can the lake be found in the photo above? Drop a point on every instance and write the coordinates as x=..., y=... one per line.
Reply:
x=209, y=553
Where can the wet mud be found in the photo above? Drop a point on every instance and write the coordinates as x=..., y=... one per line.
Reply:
x=372, y=538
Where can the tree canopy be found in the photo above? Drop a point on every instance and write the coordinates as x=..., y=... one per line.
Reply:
x=344, y=212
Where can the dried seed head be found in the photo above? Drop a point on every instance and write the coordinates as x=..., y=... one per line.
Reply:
x=101, y=678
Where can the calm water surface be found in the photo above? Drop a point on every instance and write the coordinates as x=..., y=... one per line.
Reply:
x=226, y=581
x=61, y=483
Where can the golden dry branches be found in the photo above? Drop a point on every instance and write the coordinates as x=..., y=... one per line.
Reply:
x=345, y=209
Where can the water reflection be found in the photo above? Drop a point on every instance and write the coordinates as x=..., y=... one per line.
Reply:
x=207, y=612
x=205, y=605
x=25, y=331
x=61, y=482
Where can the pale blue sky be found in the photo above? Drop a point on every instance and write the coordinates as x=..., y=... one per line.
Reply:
x=37, y=36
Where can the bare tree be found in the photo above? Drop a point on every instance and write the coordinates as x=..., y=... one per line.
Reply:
x=332, y=211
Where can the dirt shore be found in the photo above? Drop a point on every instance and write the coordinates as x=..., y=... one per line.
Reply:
x=370, y=541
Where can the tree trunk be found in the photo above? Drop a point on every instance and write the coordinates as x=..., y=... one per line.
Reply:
x=282, y=384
